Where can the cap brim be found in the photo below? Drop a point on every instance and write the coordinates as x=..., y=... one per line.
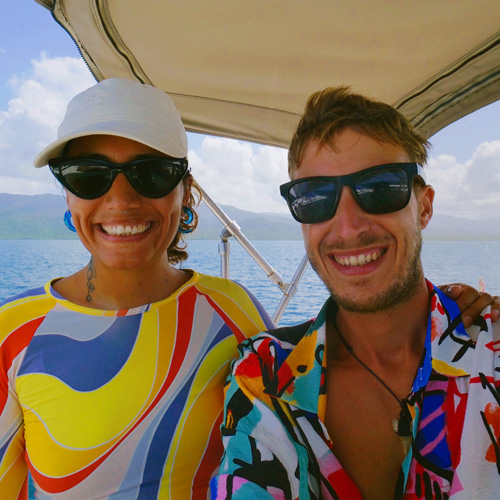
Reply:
x=155, y=139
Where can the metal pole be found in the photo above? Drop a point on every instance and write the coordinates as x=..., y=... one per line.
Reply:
x=232, y=228
x=290, y=289
x=224, y=249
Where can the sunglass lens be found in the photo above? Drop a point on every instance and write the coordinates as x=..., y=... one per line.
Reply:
x=155, y=178
x=313, y=201
x=383, y=191
x=85, y=179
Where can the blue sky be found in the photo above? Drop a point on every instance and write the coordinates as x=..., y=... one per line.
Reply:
x=40, y=70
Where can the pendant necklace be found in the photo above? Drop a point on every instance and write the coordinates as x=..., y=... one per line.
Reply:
x=402, y=426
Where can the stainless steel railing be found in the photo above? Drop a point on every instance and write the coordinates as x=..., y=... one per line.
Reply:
x=231, y=229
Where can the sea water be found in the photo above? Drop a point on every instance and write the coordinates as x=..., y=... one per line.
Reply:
x=30, y=263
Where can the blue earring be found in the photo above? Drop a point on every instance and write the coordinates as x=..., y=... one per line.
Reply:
x=68, y=221
x=190, y=217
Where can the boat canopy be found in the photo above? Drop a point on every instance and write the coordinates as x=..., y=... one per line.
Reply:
x=244, y=69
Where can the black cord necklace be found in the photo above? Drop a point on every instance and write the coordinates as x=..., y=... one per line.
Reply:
x=402, y=426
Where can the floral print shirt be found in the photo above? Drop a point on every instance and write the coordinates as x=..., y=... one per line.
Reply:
x=276, y=445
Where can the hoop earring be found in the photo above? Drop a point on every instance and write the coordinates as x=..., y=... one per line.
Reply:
x=189, y=219
x=68, y=221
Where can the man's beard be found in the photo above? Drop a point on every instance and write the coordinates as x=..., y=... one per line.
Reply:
x=399, y=292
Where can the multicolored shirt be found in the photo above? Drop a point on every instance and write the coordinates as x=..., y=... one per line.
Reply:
x=118, y=404
x=276, y=445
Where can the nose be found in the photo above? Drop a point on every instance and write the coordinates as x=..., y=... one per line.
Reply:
x=122, y=196
x=350, y=220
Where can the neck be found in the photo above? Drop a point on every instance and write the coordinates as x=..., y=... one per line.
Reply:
x=100, y=287
x=394, y=335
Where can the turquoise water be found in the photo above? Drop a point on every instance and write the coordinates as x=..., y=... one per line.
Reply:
x=30, y=263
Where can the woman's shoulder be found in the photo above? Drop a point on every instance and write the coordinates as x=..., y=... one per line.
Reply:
x=217, y=286
x=216, y=282
x=26, y=298
x=28, y=307
x=236, y=301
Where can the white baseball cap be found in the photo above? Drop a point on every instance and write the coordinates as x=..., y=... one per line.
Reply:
x=123, y=108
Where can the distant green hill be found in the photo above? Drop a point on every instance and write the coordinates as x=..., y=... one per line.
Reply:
x=33, y=217
x=41, y=217
x=255, y=226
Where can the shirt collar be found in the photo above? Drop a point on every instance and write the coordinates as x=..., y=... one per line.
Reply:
x=448, y=350
x=305, y=363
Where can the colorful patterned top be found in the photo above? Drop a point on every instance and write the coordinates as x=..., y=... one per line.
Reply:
x=118, y=404
x=276, y=443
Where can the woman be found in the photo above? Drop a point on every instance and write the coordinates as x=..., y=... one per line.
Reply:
x=111, y=378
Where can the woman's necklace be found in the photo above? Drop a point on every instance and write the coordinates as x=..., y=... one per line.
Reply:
x=402, y=426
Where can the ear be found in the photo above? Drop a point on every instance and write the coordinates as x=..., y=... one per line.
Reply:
x=425, y=198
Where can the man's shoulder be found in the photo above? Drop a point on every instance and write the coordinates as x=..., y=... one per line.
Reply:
x=273, y=346
x=290, y=335
x=262, y=356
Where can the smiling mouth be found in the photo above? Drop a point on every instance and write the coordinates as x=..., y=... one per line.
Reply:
x=358, y=260
x=125, y=230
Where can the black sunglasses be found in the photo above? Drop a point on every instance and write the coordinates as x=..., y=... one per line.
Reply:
x=378, y=190
x=91, y=178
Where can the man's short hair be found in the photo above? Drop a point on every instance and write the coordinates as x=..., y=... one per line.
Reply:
x=330, y=111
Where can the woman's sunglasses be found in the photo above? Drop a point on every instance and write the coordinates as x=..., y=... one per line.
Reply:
x=377, y=190
x=88, y=178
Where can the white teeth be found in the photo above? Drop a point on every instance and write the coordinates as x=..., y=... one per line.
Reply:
x=358, y=260
x=125, y=231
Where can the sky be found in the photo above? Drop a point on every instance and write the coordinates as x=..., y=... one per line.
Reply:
x=41, y=70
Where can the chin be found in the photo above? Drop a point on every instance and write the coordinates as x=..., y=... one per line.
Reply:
x=125, y=264
x=398, y=292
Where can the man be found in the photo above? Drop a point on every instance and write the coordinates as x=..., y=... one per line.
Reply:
x=385, y=395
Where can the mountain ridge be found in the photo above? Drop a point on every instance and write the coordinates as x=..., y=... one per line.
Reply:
x=41, y=217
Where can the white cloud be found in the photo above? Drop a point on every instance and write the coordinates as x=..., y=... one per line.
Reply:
x=247, y=176
x=241, y=174
x=17, y=185
x=470, y=190
x=31, y=119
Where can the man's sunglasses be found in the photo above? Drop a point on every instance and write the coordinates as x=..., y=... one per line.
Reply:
x=88, y=178
x=378, y=190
